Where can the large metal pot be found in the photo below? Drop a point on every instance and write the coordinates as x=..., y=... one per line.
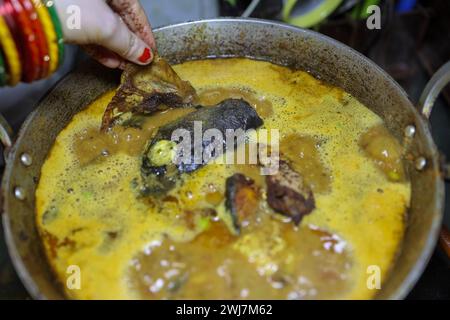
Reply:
x=325, y=58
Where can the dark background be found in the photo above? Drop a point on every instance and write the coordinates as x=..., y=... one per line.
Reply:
x=411, y=45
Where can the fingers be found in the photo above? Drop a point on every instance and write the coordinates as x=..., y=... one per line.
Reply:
x=93, y=22
x=135, y=18
x=121, y=40
x=104, y=56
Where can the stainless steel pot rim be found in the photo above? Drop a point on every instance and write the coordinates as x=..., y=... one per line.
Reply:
x=417, y=268
x=283, y=25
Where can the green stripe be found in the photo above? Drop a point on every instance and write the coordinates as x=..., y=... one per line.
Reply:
x=3, y=74
x=309, y=18
x=50, y=4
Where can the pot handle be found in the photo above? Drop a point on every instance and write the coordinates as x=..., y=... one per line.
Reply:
x=429, y=95
x=426, y=102
x=433, y=88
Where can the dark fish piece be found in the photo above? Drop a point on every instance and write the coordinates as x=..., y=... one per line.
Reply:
x=288, y=195
x=241, y=199
x=147, y=89
x=158, y=170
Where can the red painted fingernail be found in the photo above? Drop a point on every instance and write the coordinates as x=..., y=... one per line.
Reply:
x=145, y=56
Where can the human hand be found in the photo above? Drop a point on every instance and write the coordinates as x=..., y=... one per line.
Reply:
x=111, y=31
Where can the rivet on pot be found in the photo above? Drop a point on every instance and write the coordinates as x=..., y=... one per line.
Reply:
x=420, y=163
x=26, y=159
x=19, y=193
x=410, y=131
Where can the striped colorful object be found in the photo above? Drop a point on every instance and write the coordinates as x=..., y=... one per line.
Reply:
x=31, y=40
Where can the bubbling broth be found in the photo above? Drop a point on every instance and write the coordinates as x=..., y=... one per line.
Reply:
x=182, y=244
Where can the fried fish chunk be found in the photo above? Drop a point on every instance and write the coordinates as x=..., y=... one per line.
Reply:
x=147, y=89
x=160, y=172
x=241, y=200
x=287, y=193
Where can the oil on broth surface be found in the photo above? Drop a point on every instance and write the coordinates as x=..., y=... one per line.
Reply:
x=88, y=213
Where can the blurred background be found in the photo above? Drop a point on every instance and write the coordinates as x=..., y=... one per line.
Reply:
x=412, y=43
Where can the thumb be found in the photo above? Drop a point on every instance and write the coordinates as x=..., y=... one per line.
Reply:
x=125, y=43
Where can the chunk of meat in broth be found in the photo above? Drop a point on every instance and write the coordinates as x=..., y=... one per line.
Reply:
x=241, y=201
x=304, y=157
x=380, y=146
x=288, y=194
